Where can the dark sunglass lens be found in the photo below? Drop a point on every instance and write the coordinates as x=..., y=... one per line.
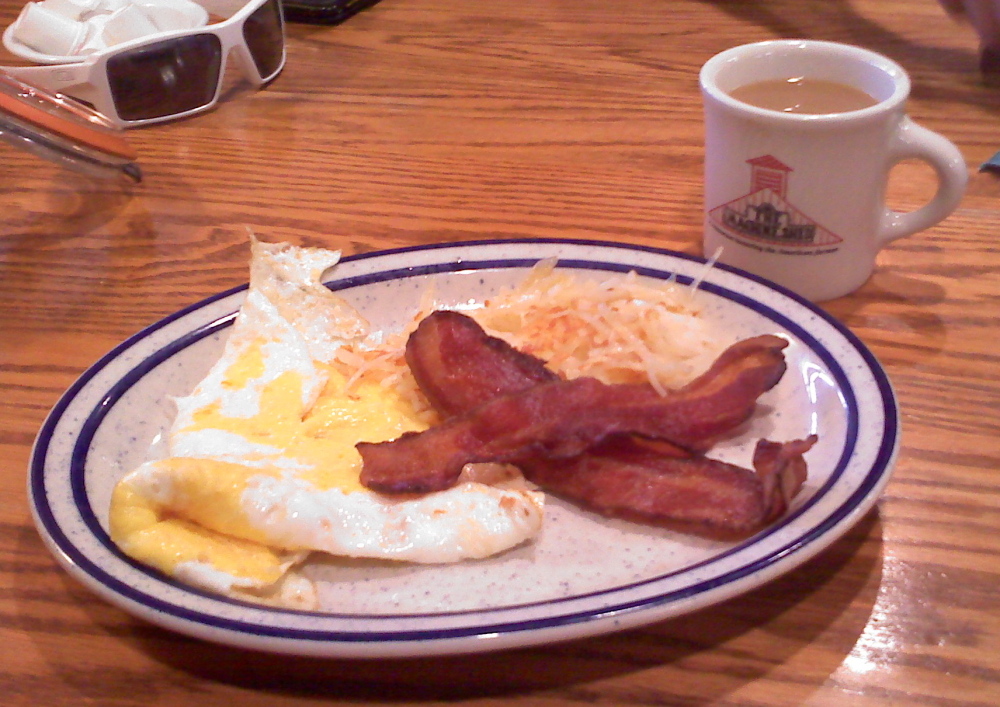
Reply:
x=265, y=36
x=165, y=78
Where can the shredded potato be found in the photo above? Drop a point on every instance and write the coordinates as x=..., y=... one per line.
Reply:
x=618, y=330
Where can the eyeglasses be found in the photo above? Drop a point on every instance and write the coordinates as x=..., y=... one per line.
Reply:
x=175, y=74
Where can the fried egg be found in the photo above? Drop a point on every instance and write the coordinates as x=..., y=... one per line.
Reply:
x=261, y=468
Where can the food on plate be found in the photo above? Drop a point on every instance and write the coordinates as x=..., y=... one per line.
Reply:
x=261, y=468
x=458, y=366
x=640, y=480
x=585, y=385
x=618, y=330
x=566, y=417
x=622, y=449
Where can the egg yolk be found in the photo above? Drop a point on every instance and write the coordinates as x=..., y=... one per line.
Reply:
x=206, y=522
x=319, y=442
x=141, y=530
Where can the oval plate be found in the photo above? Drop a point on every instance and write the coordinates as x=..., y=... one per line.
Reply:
x=585, y=575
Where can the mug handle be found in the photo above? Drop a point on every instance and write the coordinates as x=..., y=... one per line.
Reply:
x=914, y=141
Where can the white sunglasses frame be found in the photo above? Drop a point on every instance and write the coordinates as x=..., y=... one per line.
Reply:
x=87, y=80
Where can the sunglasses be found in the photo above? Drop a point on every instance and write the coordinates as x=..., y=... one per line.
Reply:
x=173, y=74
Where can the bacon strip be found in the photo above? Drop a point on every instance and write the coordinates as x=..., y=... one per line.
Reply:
x=782, y=471
x=458, y=366
x=562, y=419
x=627, y=478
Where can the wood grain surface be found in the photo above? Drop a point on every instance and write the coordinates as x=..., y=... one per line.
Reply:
x=440, y=120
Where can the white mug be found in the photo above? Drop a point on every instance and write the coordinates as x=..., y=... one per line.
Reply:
x=799, y=198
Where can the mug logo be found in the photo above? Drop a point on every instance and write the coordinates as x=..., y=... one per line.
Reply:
x=763, y=219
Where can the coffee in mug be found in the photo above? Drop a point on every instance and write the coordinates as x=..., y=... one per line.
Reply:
x=803, y=94
x=797, y=196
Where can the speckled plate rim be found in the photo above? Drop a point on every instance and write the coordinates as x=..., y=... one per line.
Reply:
x=67, y=522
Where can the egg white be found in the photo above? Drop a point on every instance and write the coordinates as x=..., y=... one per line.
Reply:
x=236, y=515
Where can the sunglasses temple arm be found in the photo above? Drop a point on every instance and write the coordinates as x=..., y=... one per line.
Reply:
x=71, y=79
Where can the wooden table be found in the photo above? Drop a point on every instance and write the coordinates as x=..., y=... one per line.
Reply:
x=435, y=120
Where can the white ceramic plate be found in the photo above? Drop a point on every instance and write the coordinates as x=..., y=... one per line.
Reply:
x=585, y=575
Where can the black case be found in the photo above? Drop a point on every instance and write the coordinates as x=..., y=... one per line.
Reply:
x=323, y=12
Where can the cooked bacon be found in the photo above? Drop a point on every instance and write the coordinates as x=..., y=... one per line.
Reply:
x=782, y=470
x=499, y=430
x=652, y=481
x=458, y=366
x=630, y=478
x=562, y=419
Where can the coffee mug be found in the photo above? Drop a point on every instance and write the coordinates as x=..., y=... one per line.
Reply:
x=799, y=197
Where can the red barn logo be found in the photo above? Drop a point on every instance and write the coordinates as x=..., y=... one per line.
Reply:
x=764, y=215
